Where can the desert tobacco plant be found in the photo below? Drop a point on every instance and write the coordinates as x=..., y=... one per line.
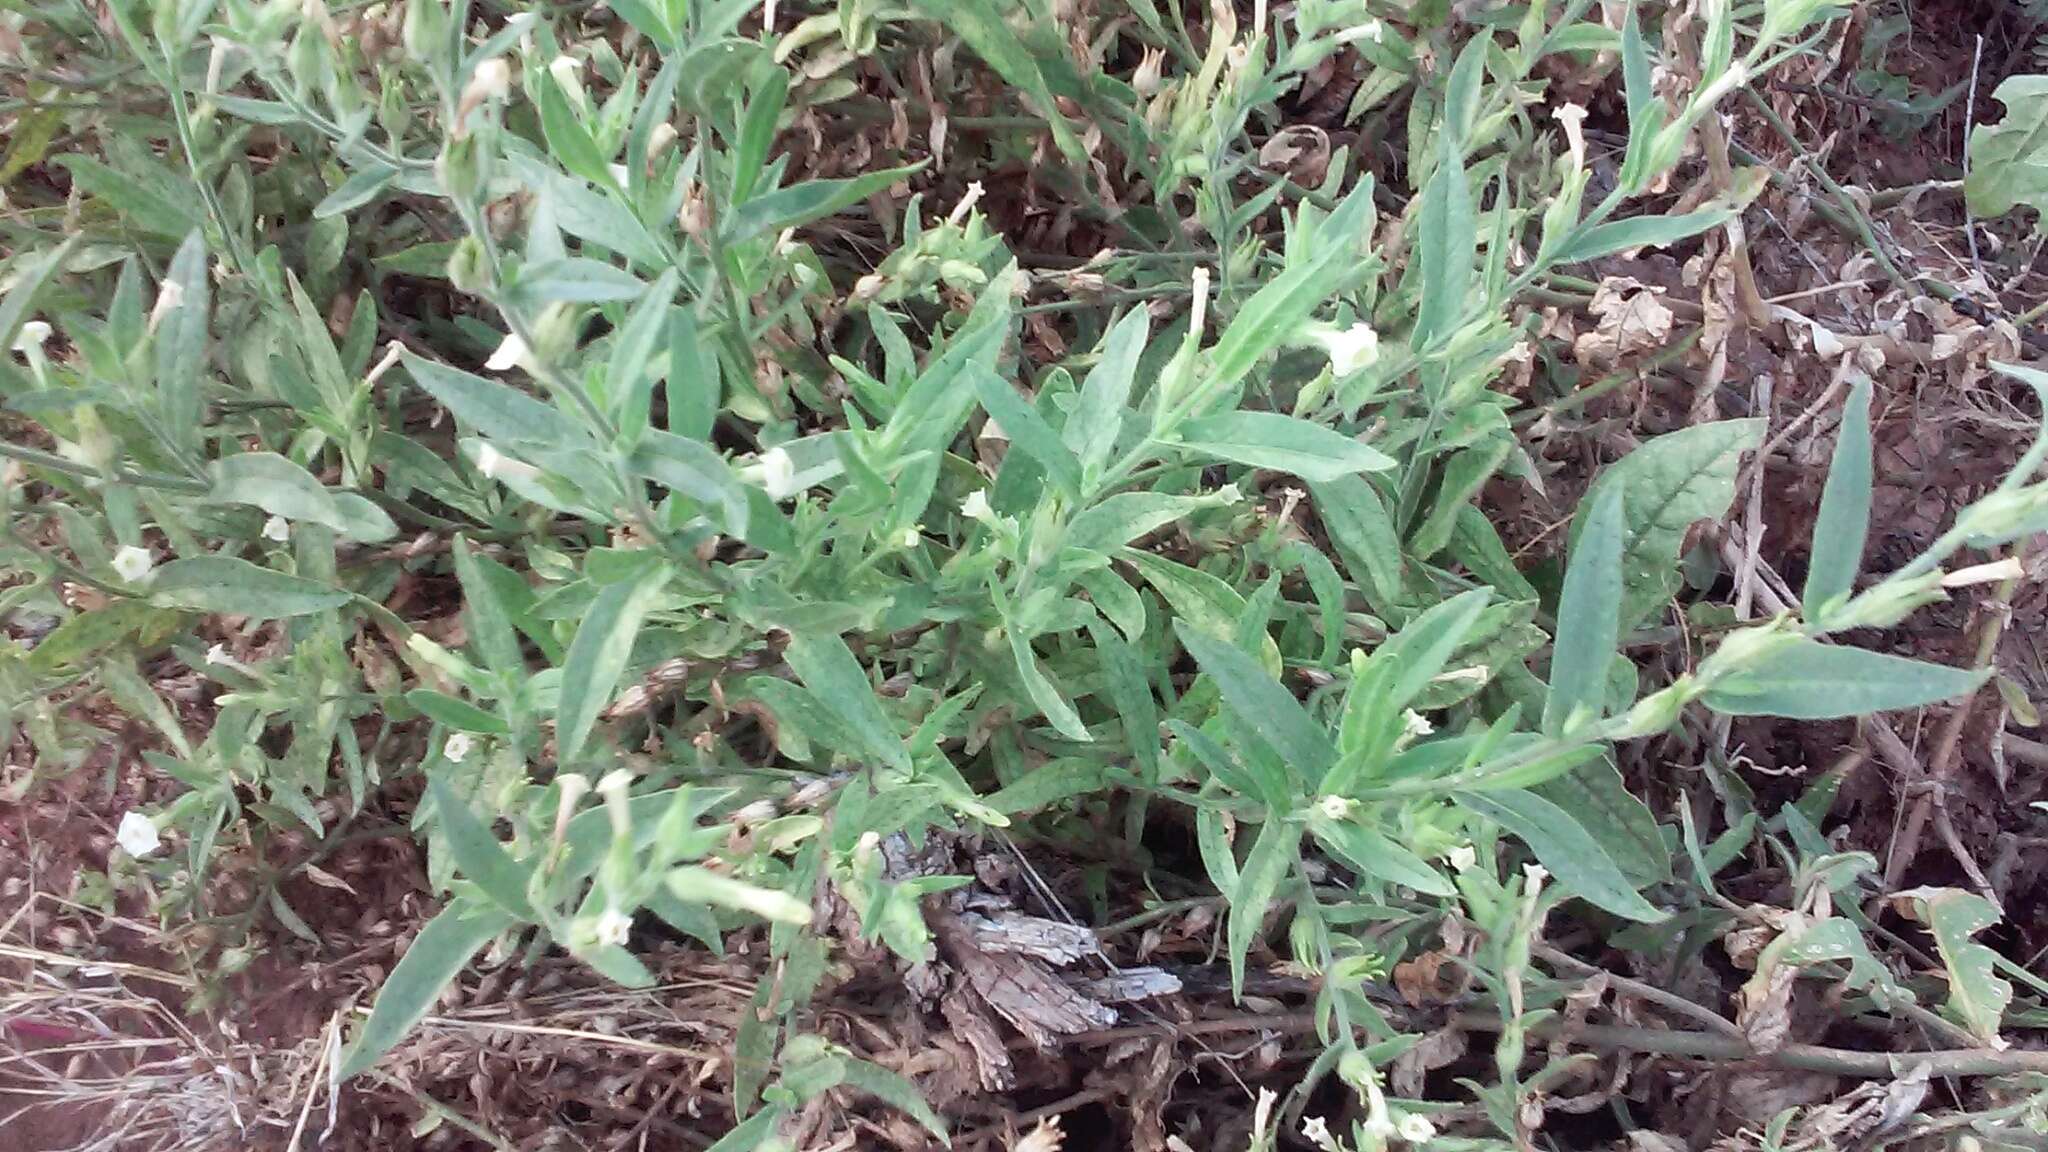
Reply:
x=523, y=418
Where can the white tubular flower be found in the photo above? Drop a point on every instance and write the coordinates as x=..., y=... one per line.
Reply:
x=1572, y=118
x=137, y=835
x=774, y=472
x=1335, y=807
x=612, y=786
x=911, y=539
x=133, y=564
x=31, y=337
x=1316, y=1131
x=169, y=297
x=568, y=73
x=1229, y=494
x=277, y=528
x=2009, y=568
x=512, y=352
x=976, y=507
x=218, y=655
x=660, y=139
x=1463, y=857
x=1151, y=67
x=495, y=465
x=1350, y=348
x=1415, y=725
x=620, y=173
x=1415, y=1129
x=614, y=927
x=458, y=746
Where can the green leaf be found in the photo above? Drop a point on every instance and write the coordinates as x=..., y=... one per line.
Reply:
x=1046, y=785
x=576, y=280
x=696, y=470
x=1671, y=482
x=235, y=587
x=894, y=1091
x=1272, y=856
x=490, y=618
x=1447, y=241
x=1261, y=706
x=282, y=488
x=1027, y=430
x=2009, y=160
x=985, y=27
x=597, y=657
x=626, y=379
x=1283, y=444
x=1640, y=232
x=478, y=855
x=181, y=341
x=757, y=1130
x=757, y=132
x=1976, y=995
x=1128, y=515
x=362, y=186
x=458, y=714
x=436, y=955
x=499, y=411
x=802, y=203
x=1098, y=414
x=1363, y=532
x=1278, y=311
x=1844, y=520
x=1562, y=845
x=1806, y=679
x=569, y=142
x=1588, y=619
x=1042, y=691
x=827, y=667
x=1369, y=853
x=1595, y=796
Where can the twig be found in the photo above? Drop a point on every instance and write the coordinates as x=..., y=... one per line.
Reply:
x=1969, y=118
x=1697, y=1045
x=1907, y=844
x=1655, y=995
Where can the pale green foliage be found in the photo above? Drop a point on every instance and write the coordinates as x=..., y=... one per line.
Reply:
x=721, y=503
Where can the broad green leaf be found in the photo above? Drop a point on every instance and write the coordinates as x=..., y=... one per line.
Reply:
x=597, y=658
x=478, y=856
x=702, y=886
x=1447, y=241
x=805, y=202
x=1272, y=857
x=235, y=587
x=1595, y=795
x=696, y=470
x=181, y=340
x=1671, y=482
x=1043, y=692
x=1588, y=619
x=1261, y=706
x=1562, y=845
x=695, y=388
x=757, y=1130
x=1808, y=680
x=827, y=667
x=490, y=618
x=1639, y=232
x=626, y=378
x=1124, y=681
x=458, y=714
x=88, y=636
x=499, y=411
x=986, y=28
x=1128, y=515
x=1977, y=997
x=1046, y=785
x=441, y=950
x=1838, y=940
x=1283, y=444
x=2009, y=160
x=1363, y=532
x=569, y=142
x=1202, y=600
x=1098, y=415
x=362, y=186
x=282, y=488
x=1027, y=430
x=1370, y=853
x=576, y=280
x=1844, y=520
